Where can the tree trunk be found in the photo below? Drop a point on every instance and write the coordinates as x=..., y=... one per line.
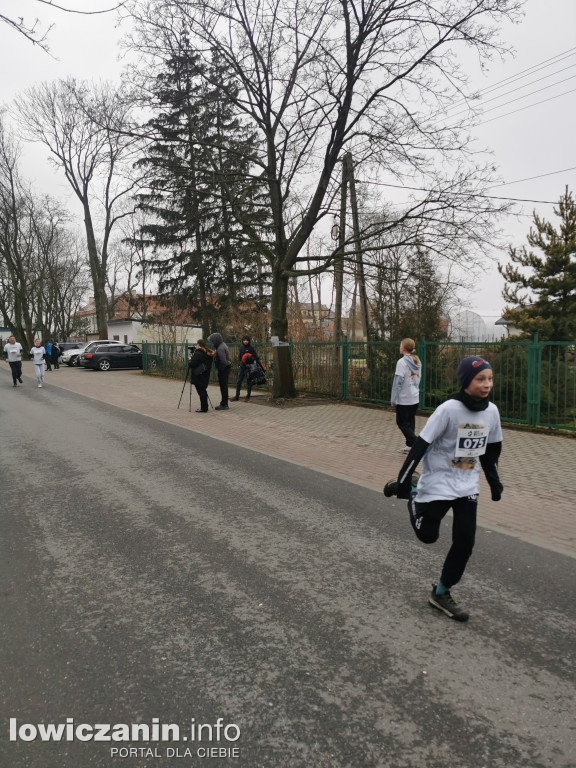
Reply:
x=283, y=373
x=98, y=276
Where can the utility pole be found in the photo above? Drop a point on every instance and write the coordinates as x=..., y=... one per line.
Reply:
x=359, y=271
x=339, y=262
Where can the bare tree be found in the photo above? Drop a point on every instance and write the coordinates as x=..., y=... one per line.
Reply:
x=82, y=128
x=40, y=278
x=68, y=280
x=37, y=32
x=318, y=79
x=133, y=256
x=18, y=270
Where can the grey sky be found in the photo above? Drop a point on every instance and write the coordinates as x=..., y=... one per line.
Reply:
x=537, y=141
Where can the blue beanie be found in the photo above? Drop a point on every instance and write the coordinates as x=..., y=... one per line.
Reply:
x=469, y=368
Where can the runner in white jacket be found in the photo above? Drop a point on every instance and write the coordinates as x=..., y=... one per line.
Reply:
x=37, y=354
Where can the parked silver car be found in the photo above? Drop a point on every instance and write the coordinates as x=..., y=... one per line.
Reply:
x=72, y=356
x=69, y=355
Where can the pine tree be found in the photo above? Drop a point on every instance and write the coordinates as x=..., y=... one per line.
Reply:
x=424, y=306
x=545, y=296
x=199, y=184
x=408, y=295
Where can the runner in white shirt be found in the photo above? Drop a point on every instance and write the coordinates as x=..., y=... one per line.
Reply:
x=13, y=354
x=462, y=435
x=37, y=354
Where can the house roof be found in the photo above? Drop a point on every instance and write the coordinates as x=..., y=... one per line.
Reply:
x=129, y=308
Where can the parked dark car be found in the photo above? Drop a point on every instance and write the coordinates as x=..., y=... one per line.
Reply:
x=104, y=358
x=78, y=361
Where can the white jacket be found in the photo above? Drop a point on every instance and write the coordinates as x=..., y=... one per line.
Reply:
x=406, y=384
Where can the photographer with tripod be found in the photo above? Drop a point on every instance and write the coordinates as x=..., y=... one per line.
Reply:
x=200, y=365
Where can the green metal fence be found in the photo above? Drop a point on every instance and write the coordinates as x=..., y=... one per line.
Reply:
x=534, y=382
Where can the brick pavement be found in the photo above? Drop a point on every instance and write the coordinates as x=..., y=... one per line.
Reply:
x=358, y=444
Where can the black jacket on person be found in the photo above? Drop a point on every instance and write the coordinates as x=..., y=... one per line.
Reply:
x=201, y=356
x=244, y=348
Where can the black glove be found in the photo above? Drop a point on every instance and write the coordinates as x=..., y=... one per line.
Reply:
x=496, y=489
x=404, y=489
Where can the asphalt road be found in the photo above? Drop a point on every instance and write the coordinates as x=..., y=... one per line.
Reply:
x=151, y=572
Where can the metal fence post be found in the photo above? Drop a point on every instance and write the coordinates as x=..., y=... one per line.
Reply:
x=533, y=382
x=345, y=355
x=421, y=348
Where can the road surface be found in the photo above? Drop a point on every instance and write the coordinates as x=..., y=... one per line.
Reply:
x=153, y=575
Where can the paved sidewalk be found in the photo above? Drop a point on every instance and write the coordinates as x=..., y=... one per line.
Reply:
x=358, y=444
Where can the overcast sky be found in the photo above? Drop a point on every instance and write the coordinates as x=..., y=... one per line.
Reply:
x=529, y=124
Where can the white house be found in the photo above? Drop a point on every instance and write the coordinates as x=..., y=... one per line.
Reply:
x=135, y=332
x=140, y=318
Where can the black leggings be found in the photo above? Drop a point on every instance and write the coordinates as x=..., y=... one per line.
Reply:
x=426, y=518
x=223, y=376
x=406, y=422
x=202, y=390
x=16, y=368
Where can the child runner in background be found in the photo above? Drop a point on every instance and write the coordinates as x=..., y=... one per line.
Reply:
x=37, y=354
x=462, y=434
x=406, y=391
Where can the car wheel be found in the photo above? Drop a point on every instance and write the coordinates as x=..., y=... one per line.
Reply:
x=74, y=361
x=153, y=364
x=104, y=365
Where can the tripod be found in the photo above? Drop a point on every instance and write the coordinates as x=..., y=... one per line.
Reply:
x=190, y=398
x=184, y=387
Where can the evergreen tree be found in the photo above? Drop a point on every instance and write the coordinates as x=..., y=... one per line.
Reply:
x=408, y=295
x=545, y=296
x=199, y=184
x=424, y=306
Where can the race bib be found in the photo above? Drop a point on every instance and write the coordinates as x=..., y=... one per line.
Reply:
x=472, y=440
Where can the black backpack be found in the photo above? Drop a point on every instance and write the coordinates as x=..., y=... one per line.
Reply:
x=256, y=375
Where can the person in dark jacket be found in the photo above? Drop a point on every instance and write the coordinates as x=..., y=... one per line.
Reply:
x=48, y=358
x=55, y=355
x=200, y=365
x=246, y=348
x=223, y=366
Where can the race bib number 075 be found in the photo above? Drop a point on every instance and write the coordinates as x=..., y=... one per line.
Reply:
x=471, y=440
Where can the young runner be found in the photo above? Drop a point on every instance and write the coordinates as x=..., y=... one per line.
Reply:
x=462, y=435
x=37, y=354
